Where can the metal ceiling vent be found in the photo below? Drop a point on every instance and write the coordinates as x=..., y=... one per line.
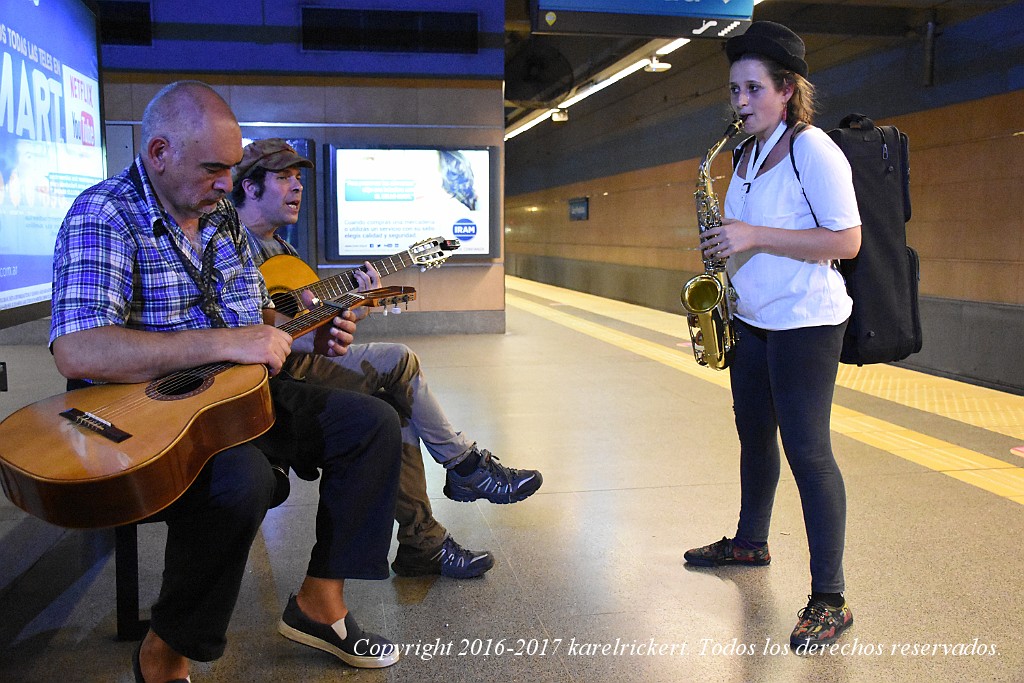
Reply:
x=536, y=73
x=125, y=23
x=363, y=30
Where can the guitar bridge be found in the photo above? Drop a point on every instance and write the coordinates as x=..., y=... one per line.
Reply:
x=96, y=424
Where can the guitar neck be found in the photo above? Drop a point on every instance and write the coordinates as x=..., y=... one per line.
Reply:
x=311, y=320
x=336, y=285
x=296, y=327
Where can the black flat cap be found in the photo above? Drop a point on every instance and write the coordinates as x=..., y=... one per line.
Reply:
x=771, y=40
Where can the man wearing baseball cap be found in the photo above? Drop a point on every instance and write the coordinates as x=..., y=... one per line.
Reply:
x=271, y=154
x=268, y=195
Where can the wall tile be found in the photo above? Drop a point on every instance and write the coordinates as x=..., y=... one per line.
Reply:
x=966, y=180
x=278, y=103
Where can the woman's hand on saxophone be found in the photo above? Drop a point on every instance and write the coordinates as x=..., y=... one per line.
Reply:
x=814, y=244
x=730, y=238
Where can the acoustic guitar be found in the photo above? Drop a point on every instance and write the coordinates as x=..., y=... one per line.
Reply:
x=286, y=276
x=111, y=454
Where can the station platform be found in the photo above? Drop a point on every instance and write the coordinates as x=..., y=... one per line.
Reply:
x=638, y=450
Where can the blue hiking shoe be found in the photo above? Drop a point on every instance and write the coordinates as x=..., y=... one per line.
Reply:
x=492, y=481
x=451, y=560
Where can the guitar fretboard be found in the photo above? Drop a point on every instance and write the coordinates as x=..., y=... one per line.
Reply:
x=342, y=283
x=182, y=382
x=296, y=327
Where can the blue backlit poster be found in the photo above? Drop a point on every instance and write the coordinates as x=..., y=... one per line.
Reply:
x=386, y=199
x=50, y=135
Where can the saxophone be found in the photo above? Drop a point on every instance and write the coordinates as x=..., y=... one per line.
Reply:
x=708, y=298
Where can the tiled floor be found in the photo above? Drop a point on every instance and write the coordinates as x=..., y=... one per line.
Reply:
x=638, y=452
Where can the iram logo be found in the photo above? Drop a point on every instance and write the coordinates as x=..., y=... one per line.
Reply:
x=464, y=229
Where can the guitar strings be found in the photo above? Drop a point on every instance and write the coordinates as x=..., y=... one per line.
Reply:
x=169, y=384
x=324, y=290
x=328, y=288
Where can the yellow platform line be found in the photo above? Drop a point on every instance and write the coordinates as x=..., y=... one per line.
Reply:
x=656, y=352
x=983, y=471
x=992, y=410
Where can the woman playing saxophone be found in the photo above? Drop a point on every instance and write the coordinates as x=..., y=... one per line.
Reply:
x=790, y=313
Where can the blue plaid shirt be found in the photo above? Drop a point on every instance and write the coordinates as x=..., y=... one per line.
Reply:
x=115, y=263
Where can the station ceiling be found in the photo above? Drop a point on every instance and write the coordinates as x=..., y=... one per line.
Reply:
x=541, y=70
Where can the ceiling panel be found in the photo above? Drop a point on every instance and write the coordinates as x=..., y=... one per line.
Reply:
x=835, y=32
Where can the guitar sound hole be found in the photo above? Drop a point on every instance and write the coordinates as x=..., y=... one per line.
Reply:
x=286, y=303
x=177, y=386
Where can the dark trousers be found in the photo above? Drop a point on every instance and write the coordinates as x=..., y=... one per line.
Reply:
x=392, y=372
x=355, y=443
x=209, y=532
x=782, y=384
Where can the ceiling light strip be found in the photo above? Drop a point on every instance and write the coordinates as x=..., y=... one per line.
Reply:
x=597, y=87
x=661, y=48
x=671, y=47
x=635, y=61
x=526, y=125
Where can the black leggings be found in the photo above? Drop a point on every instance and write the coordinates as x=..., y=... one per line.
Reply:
x=782, y=383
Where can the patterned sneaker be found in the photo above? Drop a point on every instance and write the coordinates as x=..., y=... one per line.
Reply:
x=343, y=639
x=725, y=552
x=451, y=559
x=819, y=624
x=493, y=481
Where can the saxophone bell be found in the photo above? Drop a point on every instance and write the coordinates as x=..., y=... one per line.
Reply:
x=712, y=334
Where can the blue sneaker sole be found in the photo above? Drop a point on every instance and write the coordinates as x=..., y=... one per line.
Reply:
x=472, y=571
x=460, y=496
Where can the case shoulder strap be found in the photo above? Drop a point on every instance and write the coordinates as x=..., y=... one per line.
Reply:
x=797, y=129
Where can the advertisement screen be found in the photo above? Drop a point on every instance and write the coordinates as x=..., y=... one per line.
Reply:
x=382, y=200
x=50, y=138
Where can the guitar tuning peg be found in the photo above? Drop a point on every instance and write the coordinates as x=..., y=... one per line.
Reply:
x=395, y=309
